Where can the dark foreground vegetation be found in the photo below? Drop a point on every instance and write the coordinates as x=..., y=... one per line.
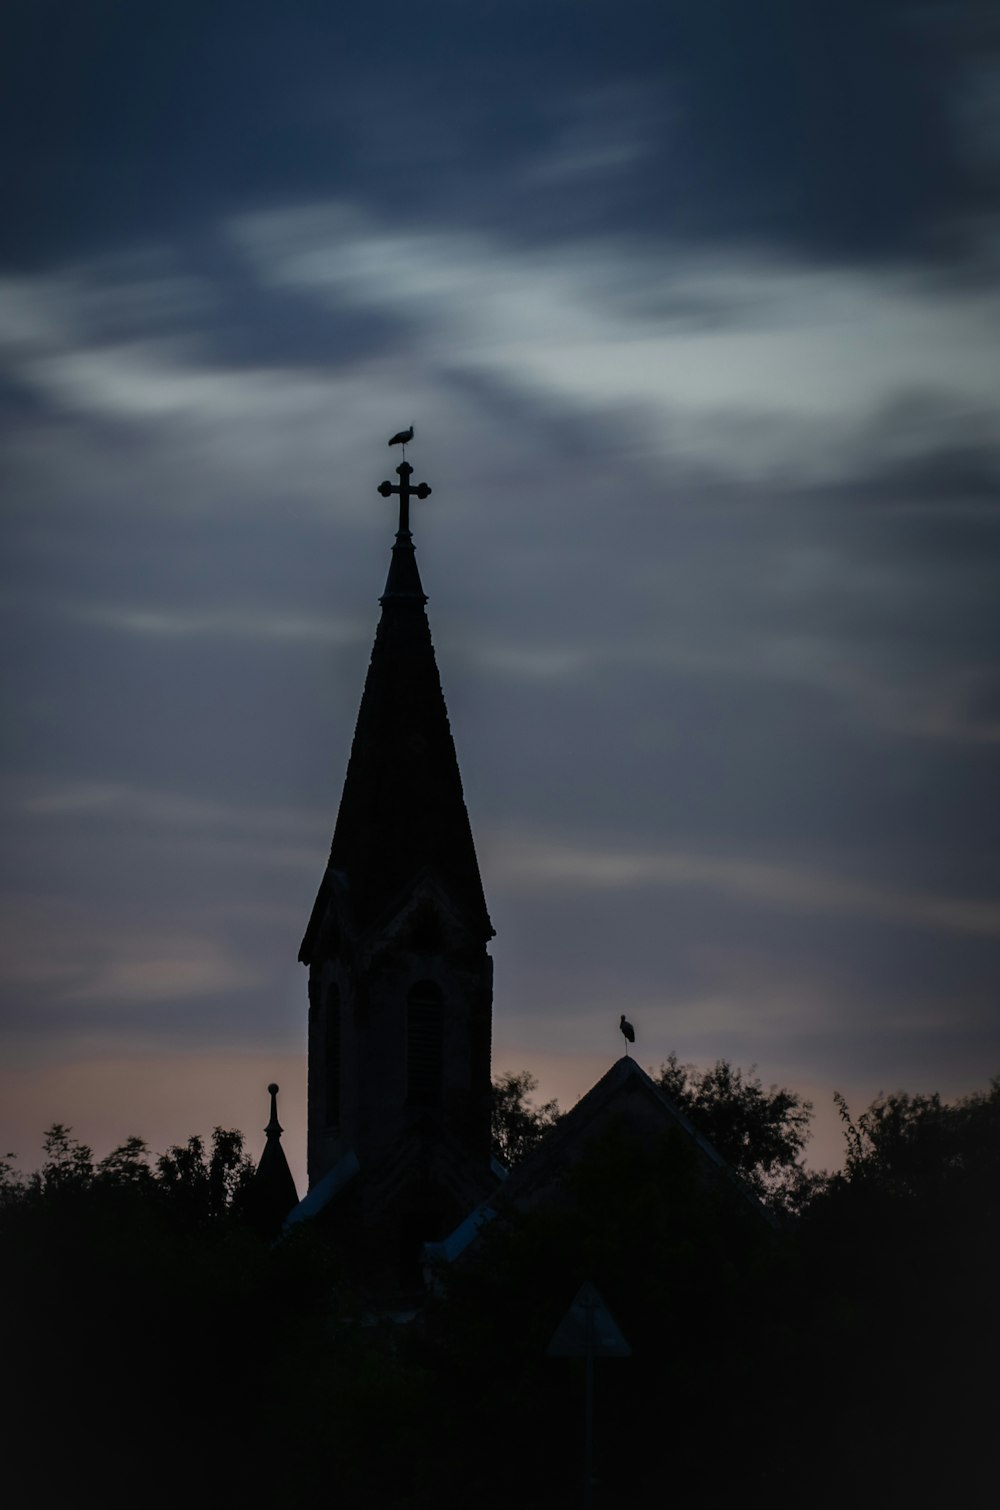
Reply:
x=157, y=1352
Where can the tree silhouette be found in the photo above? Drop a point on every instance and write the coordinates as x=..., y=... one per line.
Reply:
x=206, y=1184
x=919, y=1146
x=517, y=1127
x=68, y=1164
x=761, y=1133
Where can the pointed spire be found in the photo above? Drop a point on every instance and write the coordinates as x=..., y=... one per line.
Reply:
x=402, y=811
x=272, y=1193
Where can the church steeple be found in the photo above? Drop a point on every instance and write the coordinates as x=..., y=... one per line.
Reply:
x=400, y=980
x=402, y=810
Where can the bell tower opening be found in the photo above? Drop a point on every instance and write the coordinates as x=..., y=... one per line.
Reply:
x=331, y=1054
x=425, y=1045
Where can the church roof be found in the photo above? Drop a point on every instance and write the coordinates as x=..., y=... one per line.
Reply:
x=325, y=1190
x=626, y=1093
x=402, y=810
x=625, y=1090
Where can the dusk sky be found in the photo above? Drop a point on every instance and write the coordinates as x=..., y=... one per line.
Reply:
x=696, y=310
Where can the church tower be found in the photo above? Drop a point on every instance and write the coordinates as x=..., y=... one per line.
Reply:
x=400, y=979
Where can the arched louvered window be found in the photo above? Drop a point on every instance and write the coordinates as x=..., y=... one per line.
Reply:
x=425, y=1044
x=331, y=1055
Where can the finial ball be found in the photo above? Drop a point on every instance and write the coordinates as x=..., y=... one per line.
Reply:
x=272, y=1089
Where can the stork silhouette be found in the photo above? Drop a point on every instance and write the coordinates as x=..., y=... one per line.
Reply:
x=402, y=438
x=628, y=1031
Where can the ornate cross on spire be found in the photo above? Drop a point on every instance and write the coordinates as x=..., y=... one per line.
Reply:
x=404, y=472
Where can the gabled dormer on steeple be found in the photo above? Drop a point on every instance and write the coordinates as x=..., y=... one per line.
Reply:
x=400, y=981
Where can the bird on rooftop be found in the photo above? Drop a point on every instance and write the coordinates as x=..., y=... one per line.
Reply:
x=628, y=1030
x=402, y=437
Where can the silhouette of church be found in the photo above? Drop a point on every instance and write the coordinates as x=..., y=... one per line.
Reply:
x=401, y=995
x=400, y=977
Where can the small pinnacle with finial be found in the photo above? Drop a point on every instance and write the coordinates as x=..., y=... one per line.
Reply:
x=274, y=1128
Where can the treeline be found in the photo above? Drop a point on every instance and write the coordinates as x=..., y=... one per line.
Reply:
x=192, y=1180
x=156, y=1348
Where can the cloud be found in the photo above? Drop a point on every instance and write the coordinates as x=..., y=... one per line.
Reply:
x=785, y=375
x=859, y=133
x=789, y=375
x=152, y=913
x=171, y=832
x=218, y=623
x=92, y=962
x=538, y=862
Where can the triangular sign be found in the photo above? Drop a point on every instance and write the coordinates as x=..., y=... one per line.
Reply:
x=588, y=1327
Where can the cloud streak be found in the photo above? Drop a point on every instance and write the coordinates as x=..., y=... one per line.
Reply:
x=785, y=350
x=787, y=887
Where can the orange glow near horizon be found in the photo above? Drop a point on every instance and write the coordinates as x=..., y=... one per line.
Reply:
x=165, y=1098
